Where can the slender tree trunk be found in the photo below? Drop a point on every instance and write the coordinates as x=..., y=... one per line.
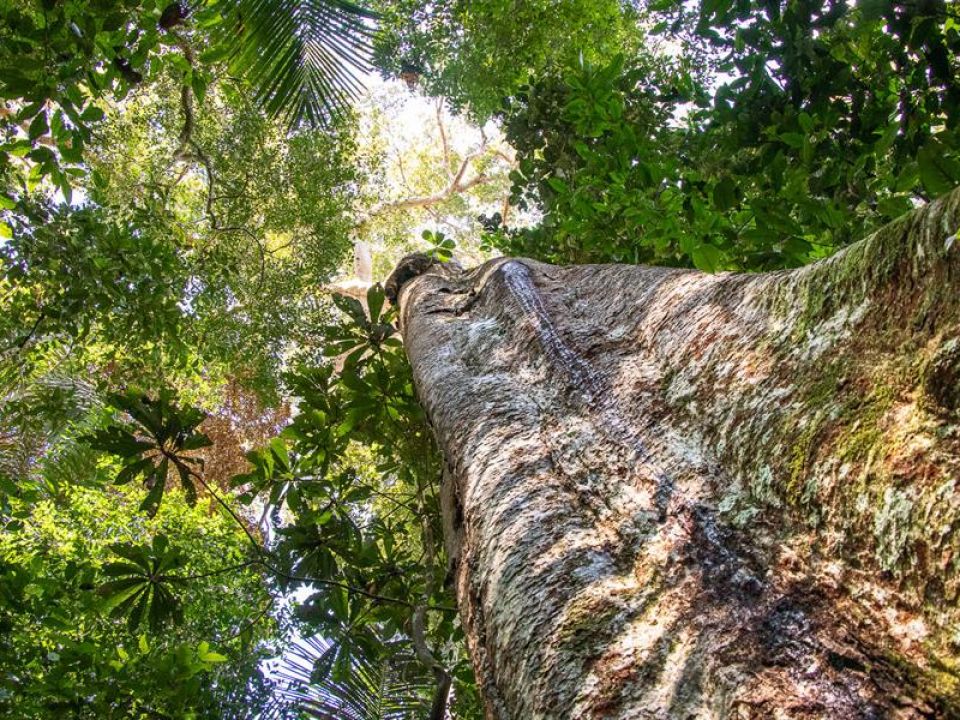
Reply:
x=678, y=495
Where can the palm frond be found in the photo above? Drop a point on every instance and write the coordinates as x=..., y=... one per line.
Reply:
x=305, y=59
x=391, y=686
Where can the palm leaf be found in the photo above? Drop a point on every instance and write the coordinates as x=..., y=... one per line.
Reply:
x=304, y=58
x=392, y=686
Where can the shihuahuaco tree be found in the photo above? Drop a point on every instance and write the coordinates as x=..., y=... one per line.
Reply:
x=653, y=413
x=656, y=498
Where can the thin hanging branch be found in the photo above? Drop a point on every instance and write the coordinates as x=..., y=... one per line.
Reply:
x=443, y=135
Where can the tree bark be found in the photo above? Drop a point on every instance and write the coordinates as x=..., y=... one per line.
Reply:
x=678, y=495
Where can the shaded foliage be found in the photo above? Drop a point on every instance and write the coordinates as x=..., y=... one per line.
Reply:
x=306, y=59
x=157, y=444
x=390, y=686
x=358, y=472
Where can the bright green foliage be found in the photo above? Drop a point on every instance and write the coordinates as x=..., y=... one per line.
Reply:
x=476, y=53
x=174, y=270
x=827, y=122
x=441, y=246
x=596, y=151
x=356, y=474
x=63, y=653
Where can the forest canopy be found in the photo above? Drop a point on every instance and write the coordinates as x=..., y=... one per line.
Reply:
x=219, y=494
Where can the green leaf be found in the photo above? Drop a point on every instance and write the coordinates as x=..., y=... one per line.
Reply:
x=725, y=194
x=118, y=441
x=793, y=139
x=279, y=449
x=557, y=184
x=134, y=553
x=939, y=172
x=122, y=568
x=38, y=127
x=142, y=590
x=117, y=591
x=199, y=84
x=707, y=258
x=186, y=482
x=139, y=610
x=158, y=479
x=131, y=471
x=196, y=441
x=375, y=300
x=208, y=656
x=92, y=114
x=352, y=307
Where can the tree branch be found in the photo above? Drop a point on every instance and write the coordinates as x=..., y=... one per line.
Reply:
x=22, y=342
x=443, y=136
x=456, y=186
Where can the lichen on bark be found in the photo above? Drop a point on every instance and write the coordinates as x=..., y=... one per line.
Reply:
x=673, y=495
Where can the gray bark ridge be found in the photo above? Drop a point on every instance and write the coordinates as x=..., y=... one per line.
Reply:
x=679, y=495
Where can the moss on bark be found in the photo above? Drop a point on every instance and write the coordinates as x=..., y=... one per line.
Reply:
x=712, y=496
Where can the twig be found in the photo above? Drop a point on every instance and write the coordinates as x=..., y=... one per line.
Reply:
x=443, y=136
x=212, y=573
x=250, y=623
x=456, y=186
x=20, y=344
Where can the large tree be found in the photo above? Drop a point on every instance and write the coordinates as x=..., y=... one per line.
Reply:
x=180, y=183
x=670, y=494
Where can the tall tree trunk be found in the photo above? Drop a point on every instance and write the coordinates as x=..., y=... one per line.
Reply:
x=678, y=495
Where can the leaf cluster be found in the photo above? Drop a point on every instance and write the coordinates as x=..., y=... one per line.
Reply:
x=475, y=53
x=357, y=474
x=98, y=617
x=160, y=439
x=61, y=61
x=805, y=127
x=141, y=587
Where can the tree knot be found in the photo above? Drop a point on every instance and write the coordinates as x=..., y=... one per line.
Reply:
x=408, y=268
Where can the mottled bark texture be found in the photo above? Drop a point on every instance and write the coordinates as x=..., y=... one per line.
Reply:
x=679, y=495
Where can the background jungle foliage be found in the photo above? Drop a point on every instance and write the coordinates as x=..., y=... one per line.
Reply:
x=207, y=458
